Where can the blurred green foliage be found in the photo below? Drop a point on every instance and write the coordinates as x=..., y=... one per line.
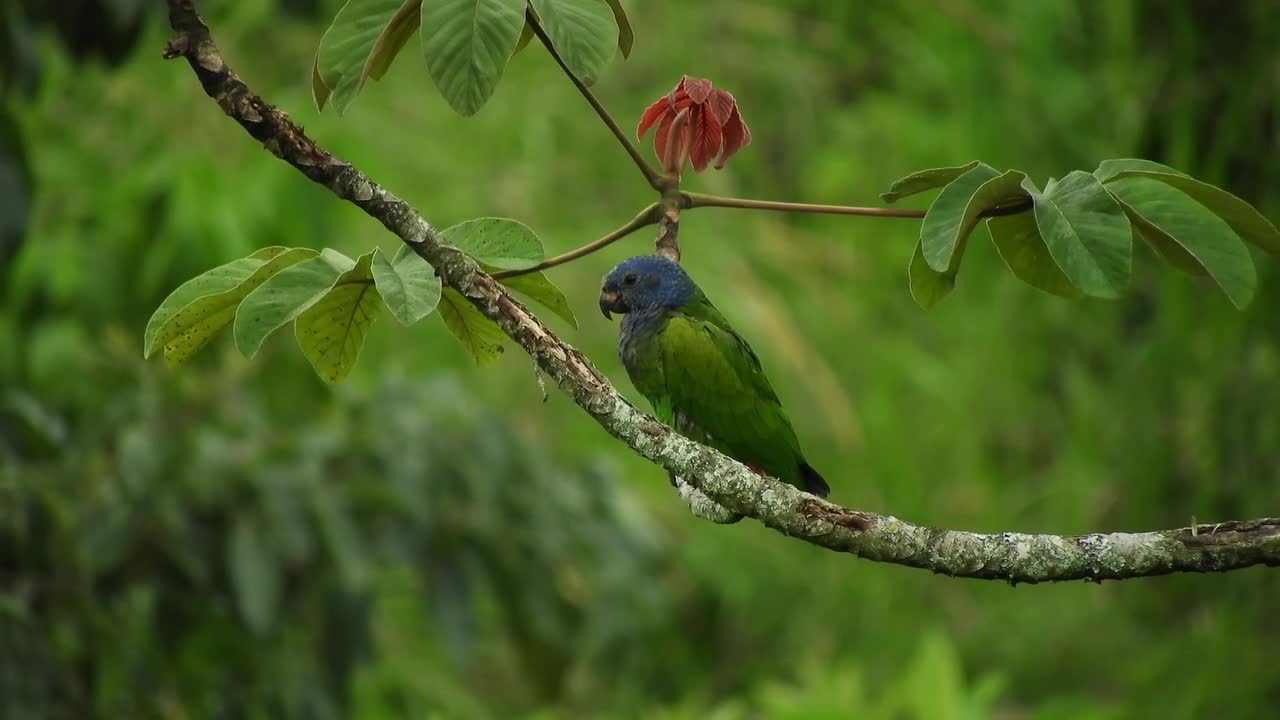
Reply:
x=434, y=540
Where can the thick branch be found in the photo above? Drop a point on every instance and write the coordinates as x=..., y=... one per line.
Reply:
x=1010, y=556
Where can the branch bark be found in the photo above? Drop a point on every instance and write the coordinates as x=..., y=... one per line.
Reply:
x=1015, y=557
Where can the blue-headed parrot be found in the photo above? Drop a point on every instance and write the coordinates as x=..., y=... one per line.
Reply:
x=700, y=375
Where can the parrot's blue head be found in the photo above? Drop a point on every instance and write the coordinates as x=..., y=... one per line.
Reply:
x=645, y=283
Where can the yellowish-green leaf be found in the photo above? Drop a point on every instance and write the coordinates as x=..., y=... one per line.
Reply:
x=497, y=242
x=332, y=331
x=217, y=312
x=184, y=332
x=408, y=285
x=284, y=297
x=211, y=282
x=478, y=334
x=538, y=288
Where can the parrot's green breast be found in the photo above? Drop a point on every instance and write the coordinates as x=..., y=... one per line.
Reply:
x=704, y=380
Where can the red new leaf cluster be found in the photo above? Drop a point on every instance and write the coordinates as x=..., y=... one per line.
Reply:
x=695, y=122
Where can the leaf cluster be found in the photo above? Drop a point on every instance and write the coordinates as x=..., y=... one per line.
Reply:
x=333, y=300
x=1075, y=237
x=464, y=44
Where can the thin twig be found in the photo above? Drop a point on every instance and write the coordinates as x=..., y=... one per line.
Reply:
x=656, y=180
x=647, y=216
x=697, y=200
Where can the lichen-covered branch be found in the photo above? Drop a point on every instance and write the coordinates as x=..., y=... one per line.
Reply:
x=1009, y=556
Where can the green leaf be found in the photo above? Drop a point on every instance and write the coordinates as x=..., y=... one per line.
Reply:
x=1108, y=169
x=408, y=285
x=1017, y=239
x=332, y=331
x=499, y=242
x=538, y=288
x=466, y=45
x=525, y=36
x=1161, y=242
x=255, y=577
x=626, y=36
x=183, y=329
x=1248, y=223
x=1167, y=219
x=218, y=280
x=391, y=41
x=1087, y=233
x=928, y=286
x=954, y=213
x=918, y=182
x=284, y=297
x=477, y=333
x=319, y=91
x=584, y=32
x=336, y=74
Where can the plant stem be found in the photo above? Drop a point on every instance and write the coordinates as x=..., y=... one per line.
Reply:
x=696, y=200
x=647, y=216
x=655, y=179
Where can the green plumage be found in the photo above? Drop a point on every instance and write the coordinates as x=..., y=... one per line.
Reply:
x=704, y=380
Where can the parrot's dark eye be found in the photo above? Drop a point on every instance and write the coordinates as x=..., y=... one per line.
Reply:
x=629, y=279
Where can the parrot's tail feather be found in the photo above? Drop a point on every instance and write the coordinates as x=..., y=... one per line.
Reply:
x=813, y=482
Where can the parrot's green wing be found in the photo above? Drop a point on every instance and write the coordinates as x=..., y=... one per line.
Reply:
x=719, y=395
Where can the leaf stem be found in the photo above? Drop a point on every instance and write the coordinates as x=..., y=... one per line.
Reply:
x=656, y=180
x=695, y=200
x=648, y=216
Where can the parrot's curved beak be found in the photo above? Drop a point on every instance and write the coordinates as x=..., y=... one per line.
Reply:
x=610, y=300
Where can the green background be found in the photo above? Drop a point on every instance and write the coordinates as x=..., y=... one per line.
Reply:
x=238, y=540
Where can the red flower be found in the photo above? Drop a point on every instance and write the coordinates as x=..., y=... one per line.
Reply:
x=695, y=122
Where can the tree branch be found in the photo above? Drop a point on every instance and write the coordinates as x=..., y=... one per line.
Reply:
x=655, y=179
x=647, y=216
x=1014, y=557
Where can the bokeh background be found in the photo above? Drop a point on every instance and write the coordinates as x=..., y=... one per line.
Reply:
x=432, y=540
